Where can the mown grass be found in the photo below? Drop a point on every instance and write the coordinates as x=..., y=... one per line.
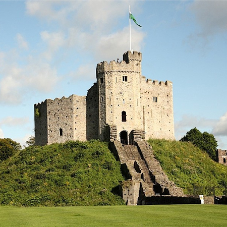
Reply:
x=69, y=174
x=190, y=168
x=161, y=215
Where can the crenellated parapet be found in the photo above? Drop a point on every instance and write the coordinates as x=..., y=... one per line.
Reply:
x=155, y=82
x=131, y=63
x=132, y=56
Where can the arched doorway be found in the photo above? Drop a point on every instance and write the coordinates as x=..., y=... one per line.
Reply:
x=124, y=137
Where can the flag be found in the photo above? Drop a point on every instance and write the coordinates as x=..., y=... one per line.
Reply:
x=133, y=18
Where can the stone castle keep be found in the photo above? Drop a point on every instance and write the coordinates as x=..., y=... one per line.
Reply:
x=122, y=105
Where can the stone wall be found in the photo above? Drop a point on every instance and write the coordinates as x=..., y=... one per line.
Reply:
x=61, y=120
x=221, y=156
x=157, y=104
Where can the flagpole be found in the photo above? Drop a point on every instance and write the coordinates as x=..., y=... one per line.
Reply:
x=130, y=42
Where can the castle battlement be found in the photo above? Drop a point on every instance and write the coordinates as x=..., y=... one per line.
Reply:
x=130, y=62
x=155, y=82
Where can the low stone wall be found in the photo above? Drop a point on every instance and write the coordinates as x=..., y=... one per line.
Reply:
x=157, y=200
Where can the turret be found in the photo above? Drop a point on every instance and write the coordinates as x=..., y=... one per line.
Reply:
x=132, y=56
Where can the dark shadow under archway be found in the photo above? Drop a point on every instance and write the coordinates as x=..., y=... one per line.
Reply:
x=124, y=137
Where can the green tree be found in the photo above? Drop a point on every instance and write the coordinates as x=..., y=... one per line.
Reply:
x=31, y=141
x=204, y=141
x=8, y=148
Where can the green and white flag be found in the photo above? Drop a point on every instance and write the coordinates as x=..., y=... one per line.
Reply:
x=133, y=18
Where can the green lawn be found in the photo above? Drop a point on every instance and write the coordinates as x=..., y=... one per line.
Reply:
x=158, y=215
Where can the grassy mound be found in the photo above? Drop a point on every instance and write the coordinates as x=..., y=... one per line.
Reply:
x=190, y=168
x=73, y=173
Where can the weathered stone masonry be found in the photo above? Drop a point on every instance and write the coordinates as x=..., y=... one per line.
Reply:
x=122, y=105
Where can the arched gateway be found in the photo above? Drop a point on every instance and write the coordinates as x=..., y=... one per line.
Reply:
x=124, y=137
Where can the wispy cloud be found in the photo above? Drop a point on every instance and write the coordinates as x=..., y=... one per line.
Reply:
x=1, y=133
x=87, y=28
x=188, y=122
x=220, y=128
x=210, y=16
x=12, y=122
x=21, y=42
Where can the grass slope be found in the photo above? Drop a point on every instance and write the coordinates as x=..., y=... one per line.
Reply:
x=161, y=215
x=190, y=168
x=73, y=173
x=85, y=173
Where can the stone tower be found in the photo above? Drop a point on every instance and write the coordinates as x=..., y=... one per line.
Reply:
x=122, y=105
x=132, y=105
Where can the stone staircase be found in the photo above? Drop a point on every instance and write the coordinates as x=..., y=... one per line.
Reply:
x=145, y=177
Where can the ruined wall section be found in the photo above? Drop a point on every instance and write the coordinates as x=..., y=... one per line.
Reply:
x=119, y=84
x=157, y=108
x=92, y=114
x=222, y=156
x=40, y=118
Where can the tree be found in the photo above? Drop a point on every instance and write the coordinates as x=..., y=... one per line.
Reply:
x=31, y=141
x=204, y=141
x=8, y=148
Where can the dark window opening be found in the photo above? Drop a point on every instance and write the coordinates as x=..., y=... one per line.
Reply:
x=224, y=160
x=155, y=99
x=101, y=80
x=124, y=78
x=123, y=114
x=61, y=132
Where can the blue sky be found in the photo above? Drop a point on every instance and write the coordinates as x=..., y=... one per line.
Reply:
x=50, y=49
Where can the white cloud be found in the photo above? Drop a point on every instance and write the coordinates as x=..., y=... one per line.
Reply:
x=216, y=127
x=45, y=9
x=211, y=16
x=85, y=28
x=110, y=46
x=54, y=41
x=21, y=42
x=9, y=84
x=35, y=75
x=39, y=75
x=220, y=128
x=188, y=122
x=12, y=122
x=1, y=133
x=23, y=140
x=194, y=121
x=86, y=71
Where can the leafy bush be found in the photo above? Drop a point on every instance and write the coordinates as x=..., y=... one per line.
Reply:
x=8, y=148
